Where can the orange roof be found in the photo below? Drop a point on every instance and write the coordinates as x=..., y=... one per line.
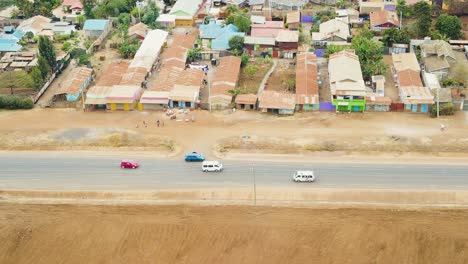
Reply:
x=112, y=75
x=175, y=53
x=191, y=77
x=184, y=41
x=80, y=75
x=246, y=99
x=409, y=78
x=139, y=29
x=168, y=76
x=378, y=18
x=306, y=79
x=134, y=76
x=226, y=75
x=277, y=100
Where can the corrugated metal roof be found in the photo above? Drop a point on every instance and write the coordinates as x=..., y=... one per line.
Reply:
x=186, y=7
x=226, y=76
x=112, y=75
x=409, y=78
x=307, y=91
x=95, y=24
x=277, y=100
x=154, y=97
x=246, y=99
x=416, y=95
x=405, y=61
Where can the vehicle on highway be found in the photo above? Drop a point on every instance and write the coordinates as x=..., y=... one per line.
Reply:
x=304, y=176
x=209, y=166
x=129, y=164
x=194, y=156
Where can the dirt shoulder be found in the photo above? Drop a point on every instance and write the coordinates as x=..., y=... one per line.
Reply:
x=229, y=234
x=222, y=133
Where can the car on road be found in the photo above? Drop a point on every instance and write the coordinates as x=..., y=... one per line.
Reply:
x=304, y=176
x=210, y=166
x=194, y=156
x=129, y=164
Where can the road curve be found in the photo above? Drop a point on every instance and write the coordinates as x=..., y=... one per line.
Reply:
x=74, y=173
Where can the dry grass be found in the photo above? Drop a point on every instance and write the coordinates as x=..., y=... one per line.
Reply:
x=250, y=85
x=382, y=144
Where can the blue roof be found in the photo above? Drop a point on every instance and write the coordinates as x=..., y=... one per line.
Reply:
x=307, y=19
x=95, y=24
x=390, y=7
x=222, y=42
x=18, y=34
x=8, y=38
x=8, y=28
x=210, y=31
x=9, y=47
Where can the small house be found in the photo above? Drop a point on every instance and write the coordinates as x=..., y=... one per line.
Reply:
x=225, y=79
x=122, y=97
x=307, y=90
x=381, y=20
x=334, y=30
x=154, y=100
x=287, y=42
x=166, y=21
x=246, y=101
x=186, y=90
x=138, y=31
x=293, y=20
x=185, y=12
x=416, y=99
x=269, y=29
x=436, y=55
x=94, y=28
x=81, y=79
x=277, y=102
x=96, y=97
x=73, y=6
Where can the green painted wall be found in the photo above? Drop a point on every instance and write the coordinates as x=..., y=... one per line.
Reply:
x=350, y=105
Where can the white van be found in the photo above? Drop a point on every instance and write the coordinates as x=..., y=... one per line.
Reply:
x=198, y=66
x=212, y=166
x=304, y=176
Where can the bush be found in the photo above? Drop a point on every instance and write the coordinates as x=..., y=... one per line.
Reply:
x=245, y=60
x=76, y=52
x=14, y=102
x=445, y=109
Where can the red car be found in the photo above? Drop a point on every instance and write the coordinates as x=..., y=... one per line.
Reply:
x=128, y=164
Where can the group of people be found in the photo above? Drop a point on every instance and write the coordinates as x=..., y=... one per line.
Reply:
x=158, y=123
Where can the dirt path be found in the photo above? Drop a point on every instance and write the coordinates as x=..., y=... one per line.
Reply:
x=229, y=234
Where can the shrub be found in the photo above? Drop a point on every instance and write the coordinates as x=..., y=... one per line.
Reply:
x=445, y=109
x=14, y=102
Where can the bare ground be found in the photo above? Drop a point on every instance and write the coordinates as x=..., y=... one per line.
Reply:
x=224, y=132
x=229, y=234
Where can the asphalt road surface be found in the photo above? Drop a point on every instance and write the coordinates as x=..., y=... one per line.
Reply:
x=63, y=172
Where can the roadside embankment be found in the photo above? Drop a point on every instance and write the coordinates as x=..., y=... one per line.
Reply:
x=299, y=197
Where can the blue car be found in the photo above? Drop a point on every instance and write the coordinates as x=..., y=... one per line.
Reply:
x=194, y=156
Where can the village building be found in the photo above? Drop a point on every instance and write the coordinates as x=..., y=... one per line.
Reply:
x=96, y=97
x=436, y=55
x=73, y=6
x=123, y=97
x=405, y=61
x=408, y=78
x=94, y=28
x=307, y=90
x=225, y=79
x=9, y=40
x=246, y=101
x=381, y=20
x=186, y=90
x=376, y=100
x=138, y=31
x=81, y=78
x=416, y=98
x=330, y=32
x=216, y=37
x=34, y=24
x=270, y=29
x=287, y=42
x=257, y=45
x=287, y=5
x=293, y=20
x=18, y=61
x=257, y=19
x=347, y=86
x=367, y=7
x=154, y=100
x=277, y=102
x=166, y=21
x=185, y=12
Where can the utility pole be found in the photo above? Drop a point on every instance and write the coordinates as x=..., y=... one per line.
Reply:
x=401, y=20
x=254, y=185
x=438, y=109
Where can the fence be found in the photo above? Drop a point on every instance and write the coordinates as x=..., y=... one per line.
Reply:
x=44, y=88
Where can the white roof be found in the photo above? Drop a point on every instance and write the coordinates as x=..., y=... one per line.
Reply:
x=258, y=19
x=430, y=80
x=166, y=18
x=259, y=40
x=149, y=50
x=334, y=27
x=345, y=73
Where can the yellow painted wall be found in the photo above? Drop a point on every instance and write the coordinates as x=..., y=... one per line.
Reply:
x=113, y=107
x=184, y=23
x=126, y=107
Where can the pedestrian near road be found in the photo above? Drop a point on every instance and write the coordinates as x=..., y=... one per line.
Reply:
x=157, y=122
x=163, y=123
x=442, y=127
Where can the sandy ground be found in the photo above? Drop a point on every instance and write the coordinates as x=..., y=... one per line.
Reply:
x=229, y=234
x=222, y=132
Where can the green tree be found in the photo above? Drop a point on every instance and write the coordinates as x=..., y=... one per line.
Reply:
x=340, y=4
x=370, y=55
x=28, y=36
x=150, y=16
x=236, y=43
x=331, y=49
x=242, y=22
x=26, y=7
x=422, y=11
x=193, y=54
x=43, y=67
x=128, y=49
x=450, y=26
x=124, y=19
x=81, y=19
x=66, y=46
x=232, y=9
x=394, y=35
x=36, y=76
x=251, y=70
x=46, y=50
x=435, y=34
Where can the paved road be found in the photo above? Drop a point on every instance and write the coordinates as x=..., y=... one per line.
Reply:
x=65, y=172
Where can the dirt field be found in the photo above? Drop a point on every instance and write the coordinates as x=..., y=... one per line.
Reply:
x=228, y=234
x=284, y=72
x=396, y=133
x=251, y=85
